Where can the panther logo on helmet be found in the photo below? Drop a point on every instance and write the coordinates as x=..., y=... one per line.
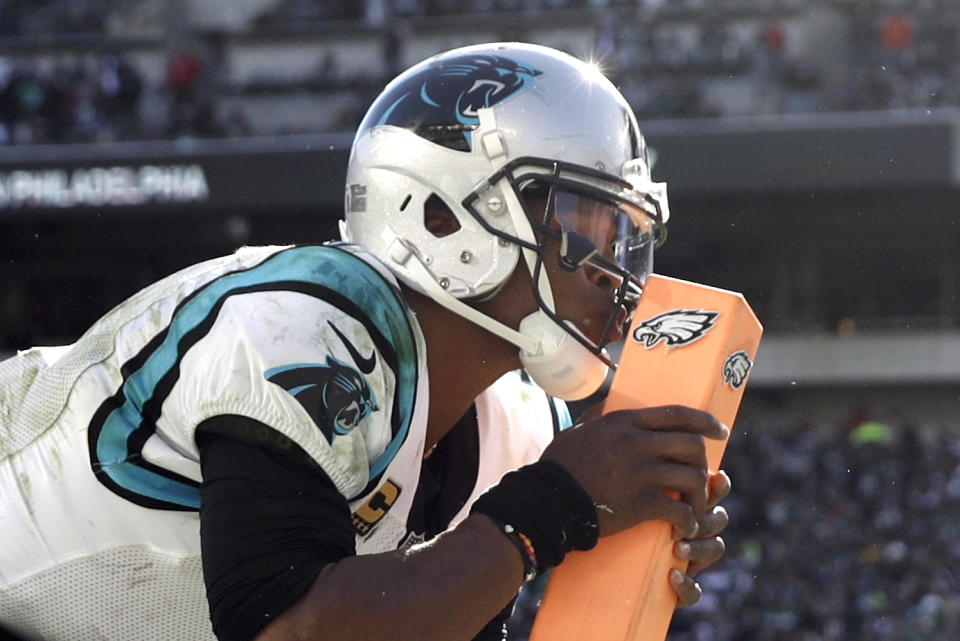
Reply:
x=441, y=101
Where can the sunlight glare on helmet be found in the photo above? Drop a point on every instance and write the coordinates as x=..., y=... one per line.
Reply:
x=593, y=71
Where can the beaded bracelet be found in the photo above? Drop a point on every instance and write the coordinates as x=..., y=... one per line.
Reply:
x=527, y=551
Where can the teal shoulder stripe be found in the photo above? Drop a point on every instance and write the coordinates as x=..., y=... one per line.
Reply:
x=322, y=266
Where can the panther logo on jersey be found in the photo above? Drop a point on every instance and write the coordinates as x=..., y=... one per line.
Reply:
x=676, y=328
x=336, y=395
x=450, y=93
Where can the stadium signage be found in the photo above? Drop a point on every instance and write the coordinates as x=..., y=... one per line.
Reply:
x=103, y=186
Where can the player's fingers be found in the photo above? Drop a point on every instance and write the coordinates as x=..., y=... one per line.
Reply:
x=718, y=489
x=700, y=552
x=674, y=446
x=690, y=481
x=714, y=521
x=660, y=507
x=681, y=418
x=688, y=591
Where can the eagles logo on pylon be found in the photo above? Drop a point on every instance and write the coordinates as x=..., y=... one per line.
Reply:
x=736, y=368
x=675, y=328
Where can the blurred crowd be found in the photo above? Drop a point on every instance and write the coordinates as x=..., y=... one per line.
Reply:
x=838, y=532
x=105, y=97
x=845, y=531
x=69, y=103
x=890, y=59
x=377, y=11
x=23, y=17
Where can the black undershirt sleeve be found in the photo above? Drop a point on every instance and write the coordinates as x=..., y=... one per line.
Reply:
x=271, y=519
x=269, y=522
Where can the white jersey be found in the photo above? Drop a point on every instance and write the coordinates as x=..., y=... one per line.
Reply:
x=99, y=468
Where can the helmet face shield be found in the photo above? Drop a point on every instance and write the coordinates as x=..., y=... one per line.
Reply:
x=608, y=239
x=604, y=223
x=620, y=233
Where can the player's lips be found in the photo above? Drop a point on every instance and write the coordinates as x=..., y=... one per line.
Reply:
x=616, y=331
x=594, y=325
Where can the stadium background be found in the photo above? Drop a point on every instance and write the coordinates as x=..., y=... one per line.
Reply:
x=812, y=153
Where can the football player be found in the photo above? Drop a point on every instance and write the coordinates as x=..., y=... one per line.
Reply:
x=361, y=439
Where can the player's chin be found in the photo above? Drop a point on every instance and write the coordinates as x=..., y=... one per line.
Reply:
x=620, y=323
x=594, y=327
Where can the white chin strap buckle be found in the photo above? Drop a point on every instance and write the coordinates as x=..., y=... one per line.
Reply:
x=563, y=367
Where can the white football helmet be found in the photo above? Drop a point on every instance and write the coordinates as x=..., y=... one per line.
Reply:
x=475, y=127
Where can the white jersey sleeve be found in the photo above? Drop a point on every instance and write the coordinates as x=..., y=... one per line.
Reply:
x=312, y=343
x=99, y=467
x=516, y=421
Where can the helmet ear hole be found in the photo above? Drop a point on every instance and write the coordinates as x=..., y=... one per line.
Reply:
x=437, y=217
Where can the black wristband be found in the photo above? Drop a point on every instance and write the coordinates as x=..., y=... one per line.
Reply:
x=546, y=504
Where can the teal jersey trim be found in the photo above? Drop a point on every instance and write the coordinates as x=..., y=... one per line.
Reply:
x=325, y=271
x=564, y=420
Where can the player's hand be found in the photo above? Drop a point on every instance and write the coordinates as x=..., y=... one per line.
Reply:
x=626, y=460
x=707, y=547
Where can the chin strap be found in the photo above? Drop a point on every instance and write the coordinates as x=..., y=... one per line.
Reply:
x=554, y=359
x=492, y=145
x=564, y=368
x=557, y=361
x=401, y=253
